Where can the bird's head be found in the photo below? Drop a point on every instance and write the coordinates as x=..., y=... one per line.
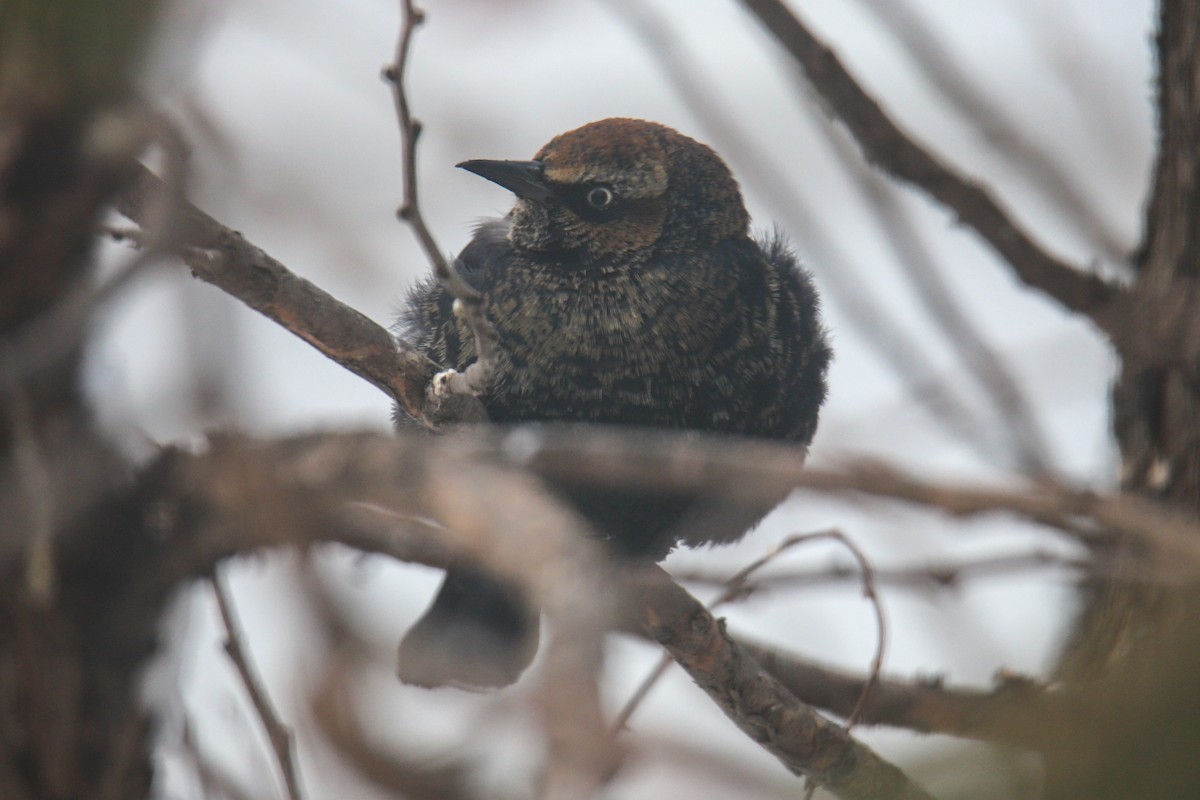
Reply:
x=617, y=190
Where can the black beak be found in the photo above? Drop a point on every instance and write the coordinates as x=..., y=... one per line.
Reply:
x=522, y=178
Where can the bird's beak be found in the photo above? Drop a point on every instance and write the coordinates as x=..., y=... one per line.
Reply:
x=522, y=178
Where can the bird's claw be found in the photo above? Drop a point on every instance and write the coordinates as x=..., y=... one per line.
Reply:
x=450, y=383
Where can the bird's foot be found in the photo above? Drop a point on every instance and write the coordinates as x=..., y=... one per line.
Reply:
x=451, y=399
x=449, y=383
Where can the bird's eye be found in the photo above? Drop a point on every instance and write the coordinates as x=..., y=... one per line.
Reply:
x=599, y=197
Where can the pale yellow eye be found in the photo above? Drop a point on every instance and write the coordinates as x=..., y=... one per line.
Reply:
x=599, y=197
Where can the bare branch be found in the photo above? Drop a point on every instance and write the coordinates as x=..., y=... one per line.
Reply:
x=278, y=733
x=59, y=331
x=1017, y=712
x=738, y=586
x=1028, y=441
x=728, y=470
x=803, y=740
x=224, y=258
x=1023, y=151
x=1171, y=241
x=893, y=150
x=242, y=495
x=935, y=575
x=479, y=374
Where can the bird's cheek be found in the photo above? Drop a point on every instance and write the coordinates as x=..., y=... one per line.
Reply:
x=531, y=228
x=626, y=236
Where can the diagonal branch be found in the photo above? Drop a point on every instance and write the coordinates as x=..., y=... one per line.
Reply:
x=804, y=741
x=975, y=105
x=279, y=734
x=223, y=257
x=886, y=145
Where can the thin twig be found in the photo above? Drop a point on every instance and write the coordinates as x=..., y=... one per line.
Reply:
x=279, y=734
x=735, y=589
x=621, y=721
x=478, y=375
x=736, y=585
x=886, y=145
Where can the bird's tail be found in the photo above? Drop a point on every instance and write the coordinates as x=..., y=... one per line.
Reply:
x=479, y=633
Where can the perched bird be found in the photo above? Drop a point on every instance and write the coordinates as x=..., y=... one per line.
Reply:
x=625, y=289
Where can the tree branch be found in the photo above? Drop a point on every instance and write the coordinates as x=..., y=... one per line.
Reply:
x=224, y=258
x=1016, y=712
x=1172, y=239
x=1024, y=150
x=736, y=471
x=803, y=740
x=894, y=151
x=278, y=733
x=478, y=375
x=243, y=494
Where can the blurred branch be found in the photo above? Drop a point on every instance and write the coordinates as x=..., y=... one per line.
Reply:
x=803, y=740
x=224, y=258
x=944, y=575
x=387, y=770
x=59, y=331
x=1023, y=152
x=214, y=782
x=242, y=495
x=36, y=489
x=333, y=708
x=741, y=471
x=479, y=374
x=893, y=150
x=1017, y=712
x=279, y=735
x=1025, y=437
x=1171, y=243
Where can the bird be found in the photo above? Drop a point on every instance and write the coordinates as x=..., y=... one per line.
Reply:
x=625, y=288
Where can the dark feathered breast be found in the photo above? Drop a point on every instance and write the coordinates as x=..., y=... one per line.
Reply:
x=728, y=341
